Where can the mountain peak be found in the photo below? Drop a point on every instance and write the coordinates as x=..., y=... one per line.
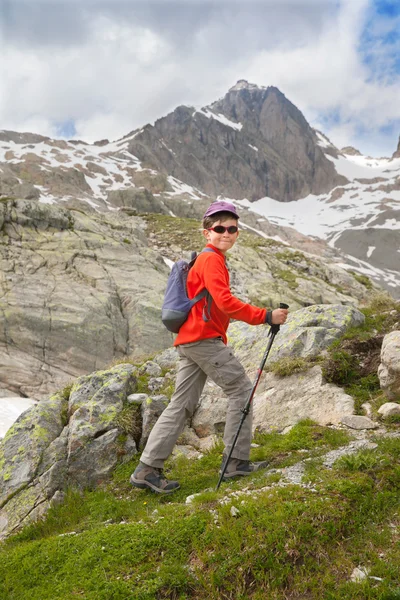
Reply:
x=243, y=84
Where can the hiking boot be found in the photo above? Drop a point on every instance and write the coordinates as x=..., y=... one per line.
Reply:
x=149, y=477
x=240, y=468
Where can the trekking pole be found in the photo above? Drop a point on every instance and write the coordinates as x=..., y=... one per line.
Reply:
x=246, y=409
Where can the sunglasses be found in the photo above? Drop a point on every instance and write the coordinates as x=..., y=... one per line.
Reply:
x=222, y=229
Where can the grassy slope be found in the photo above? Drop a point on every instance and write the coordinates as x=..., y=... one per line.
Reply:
x=285, y=542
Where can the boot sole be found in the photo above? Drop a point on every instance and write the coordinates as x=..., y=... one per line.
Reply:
x=147, y=485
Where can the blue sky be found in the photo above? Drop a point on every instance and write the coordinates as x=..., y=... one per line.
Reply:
x=98, y=69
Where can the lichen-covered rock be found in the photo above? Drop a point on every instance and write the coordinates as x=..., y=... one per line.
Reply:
x=23, y=446
x=307, y=333
x=65, y=441
x=389, y=369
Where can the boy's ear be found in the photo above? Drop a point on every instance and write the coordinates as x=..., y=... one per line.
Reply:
x=206, y=233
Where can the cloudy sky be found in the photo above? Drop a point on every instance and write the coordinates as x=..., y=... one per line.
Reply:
x=94, y=69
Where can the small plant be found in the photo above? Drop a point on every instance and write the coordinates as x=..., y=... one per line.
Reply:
x=129, y=421
x=382, y=301
x=288, y=256
x=289, y=365
x=363, y=279
x=362, y=461
x=340, y=368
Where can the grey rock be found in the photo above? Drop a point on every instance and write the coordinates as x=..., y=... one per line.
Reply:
x=137, y=398
x=281, y=402
x=155, y=383
x=389, y=369
x=306, y=333
x=64, y=442
x=389, y=409
x=358, y=422
x=94, y=462
x=22, y=448
x=152, y=369
x=151, y=410
x=140, y=199
x=167, y=359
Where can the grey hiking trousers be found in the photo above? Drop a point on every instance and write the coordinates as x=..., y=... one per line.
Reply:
x=199, y=360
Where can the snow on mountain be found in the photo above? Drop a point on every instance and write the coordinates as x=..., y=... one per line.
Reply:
x=361, y=218
x=105, y=166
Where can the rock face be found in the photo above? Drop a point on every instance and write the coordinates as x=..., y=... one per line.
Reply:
x=79, y=290
x=253, y=143
x=76, y=291
x=64, y=441
x=389, y=369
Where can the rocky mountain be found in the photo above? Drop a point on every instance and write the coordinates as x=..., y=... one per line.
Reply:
x=250, y=144
x=79, y=290
x=254, y=146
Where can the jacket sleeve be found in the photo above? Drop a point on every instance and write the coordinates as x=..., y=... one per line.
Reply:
x=216, y=280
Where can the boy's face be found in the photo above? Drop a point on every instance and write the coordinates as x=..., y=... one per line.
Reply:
x=222, y=241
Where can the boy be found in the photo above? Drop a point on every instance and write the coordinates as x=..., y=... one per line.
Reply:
x=201, y=345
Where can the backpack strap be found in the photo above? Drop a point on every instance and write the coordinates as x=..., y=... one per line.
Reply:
x=207, y=295
x=204, y=293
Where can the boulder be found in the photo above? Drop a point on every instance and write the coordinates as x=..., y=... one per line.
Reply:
x=389, y=409
x=358, y=422
x=306, y=333
x=389, y=369
x=284, y=401
x=71, y=439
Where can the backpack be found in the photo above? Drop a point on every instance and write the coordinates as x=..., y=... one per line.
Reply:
x=177, y=305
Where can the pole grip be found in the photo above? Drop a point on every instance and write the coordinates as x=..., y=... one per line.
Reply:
x=275, y=328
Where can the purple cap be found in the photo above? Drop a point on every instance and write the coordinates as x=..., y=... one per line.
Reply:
x=220, y=206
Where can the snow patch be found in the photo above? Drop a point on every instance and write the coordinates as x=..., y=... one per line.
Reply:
x=219, y=117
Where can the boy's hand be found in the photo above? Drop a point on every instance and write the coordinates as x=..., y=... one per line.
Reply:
x=279, y=316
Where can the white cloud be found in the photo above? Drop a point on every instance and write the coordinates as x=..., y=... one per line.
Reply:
x=128, y=66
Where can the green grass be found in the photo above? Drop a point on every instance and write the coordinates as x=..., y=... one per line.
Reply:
x=291, y=364
x=284, y=542
x=362, y=279
x=169, y=231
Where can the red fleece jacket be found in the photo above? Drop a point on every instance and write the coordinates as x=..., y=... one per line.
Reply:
x=210, y=272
